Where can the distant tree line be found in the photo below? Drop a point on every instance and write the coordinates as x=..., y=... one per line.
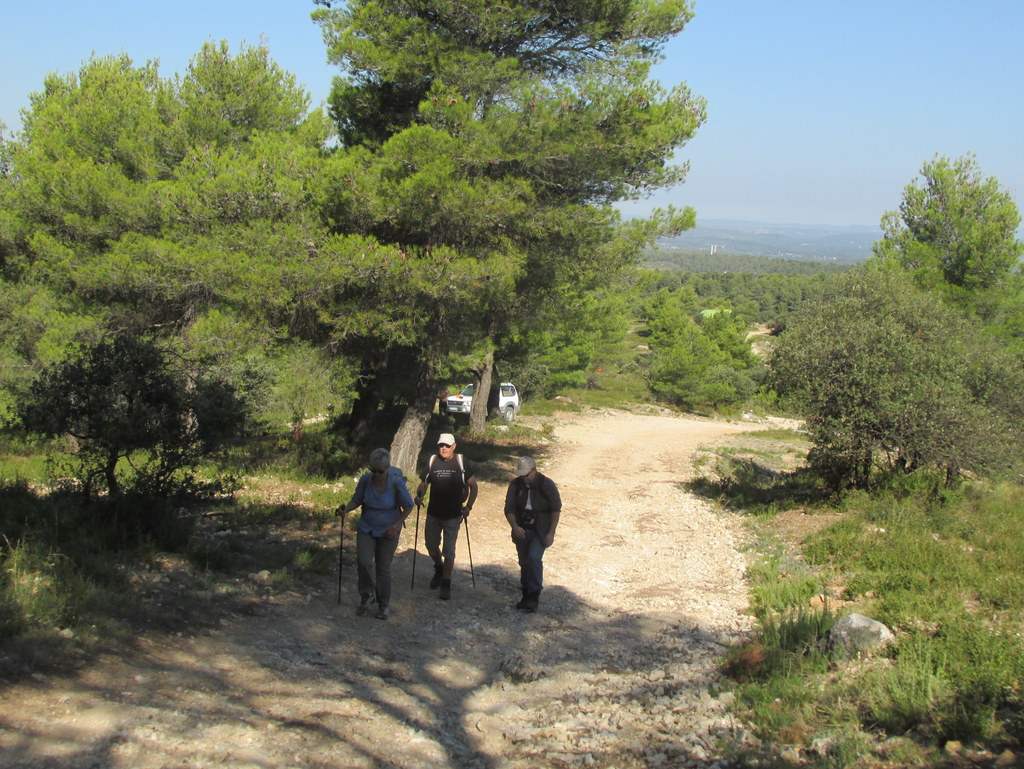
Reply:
x=759, y=298
x=701, y=260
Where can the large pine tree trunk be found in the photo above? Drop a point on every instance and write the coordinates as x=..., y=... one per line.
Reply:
x=481, y=395
x=405, y=446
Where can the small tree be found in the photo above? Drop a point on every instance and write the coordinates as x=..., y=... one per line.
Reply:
x=118, y=401
x=957, y=231
x=888, y=376
x=695, y=363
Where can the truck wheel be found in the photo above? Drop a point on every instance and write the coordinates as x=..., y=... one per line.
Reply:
x=509, y=413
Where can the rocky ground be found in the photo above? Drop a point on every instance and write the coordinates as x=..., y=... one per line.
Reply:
x=619, y=668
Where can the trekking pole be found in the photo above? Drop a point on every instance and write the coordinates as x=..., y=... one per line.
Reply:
x=415, y=547
x=465, y=520
x=341, y=550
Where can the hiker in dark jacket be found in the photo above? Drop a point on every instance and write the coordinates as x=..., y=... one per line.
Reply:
x=386, y=504
x=532, y=508
x=453, y=490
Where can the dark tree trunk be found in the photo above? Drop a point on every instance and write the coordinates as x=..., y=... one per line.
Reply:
x=110, y=473
x=481, y=395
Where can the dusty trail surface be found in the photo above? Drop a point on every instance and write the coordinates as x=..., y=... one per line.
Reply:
x=644, y=587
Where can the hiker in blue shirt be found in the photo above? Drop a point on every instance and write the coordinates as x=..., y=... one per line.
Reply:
x=386, y=504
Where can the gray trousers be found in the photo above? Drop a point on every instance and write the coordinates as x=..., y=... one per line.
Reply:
x=373, y=565
x=432, y=537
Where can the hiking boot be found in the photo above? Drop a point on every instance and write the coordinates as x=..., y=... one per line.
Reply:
x=519, y=604
x=364, y=605
x=446, y=589
x=436, y=579
x=383, y=611
x=529, y=603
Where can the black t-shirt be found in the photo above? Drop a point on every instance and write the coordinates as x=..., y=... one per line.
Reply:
x=447, y=487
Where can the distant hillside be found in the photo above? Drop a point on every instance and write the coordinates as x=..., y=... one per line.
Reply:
x=701, y=261
x=820, y=243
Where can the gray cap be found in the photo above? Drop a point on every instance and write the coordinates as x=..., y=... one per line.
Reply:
x=526, y=464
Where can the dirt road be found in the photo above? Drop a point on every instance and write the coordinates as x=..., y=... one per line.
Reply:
x=644, y=587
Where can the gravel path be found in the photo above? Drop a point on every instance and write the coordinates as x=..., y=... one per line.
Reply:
x=645, y=588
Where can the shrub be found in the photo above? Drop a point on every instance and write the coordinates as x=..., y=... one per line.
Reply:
x=38, y=588
x=888, y=377
x=120, y=401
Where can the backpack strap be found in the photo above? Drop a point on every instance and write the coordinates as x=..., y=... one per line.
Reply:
x=395, y=487
x=458, y=458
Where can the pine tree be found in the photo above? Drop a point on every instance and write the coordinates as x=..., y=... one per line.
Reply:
x=489, y=143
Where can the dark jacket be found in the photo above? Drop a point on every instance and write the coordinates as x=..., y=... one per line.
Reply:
x=545, y=501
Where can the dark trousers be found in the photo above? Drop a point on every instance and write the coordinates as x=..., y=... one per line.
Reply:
x=531, y=562
x=373, y=561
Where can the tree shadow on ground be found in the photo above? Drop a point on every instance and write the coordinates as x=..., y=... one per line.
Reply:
x=442, y=683
x=748, y=485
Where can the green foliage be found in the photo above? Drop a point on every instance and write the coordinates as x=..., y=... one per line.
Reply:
x=57, y=565
x=705, y=362
x=761, y=297
x=944, y=573
x=37, y=588
x=120, y=399
x=566, y=353
x=791, y=632
x=318, y=560
x=487, y=144
x=779, y=588
x=226, y=100
x=467, y=210
x=908, y=693
x=938, y=565
x=888, y=376
x=956, y=232
x=940, y=570
x=184, y=208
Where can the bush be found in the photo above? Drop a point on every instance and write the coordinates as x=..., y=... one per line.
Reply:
x=889, y=378
x=121, y=399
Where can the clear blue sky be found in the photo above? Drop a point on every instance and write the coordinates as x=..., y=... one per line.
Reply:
x=819, y=111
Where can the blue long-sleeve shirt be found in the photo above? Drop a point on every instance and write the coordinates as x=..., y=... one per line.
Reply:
x=381, y=508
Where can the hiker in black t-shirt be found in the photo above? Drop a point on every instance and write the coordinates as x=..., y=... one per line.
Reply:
x=532, y=508
x=453, y=490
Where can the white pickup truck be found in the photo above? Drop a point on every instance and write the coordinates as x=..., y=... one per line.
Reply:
x=505, y=398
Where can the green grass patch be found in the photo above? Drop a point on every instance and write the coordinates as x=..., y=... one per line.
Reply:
x=775, y=590
x=943, y=570
x=793, y=437
x=548, y=407
x=940, y=566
